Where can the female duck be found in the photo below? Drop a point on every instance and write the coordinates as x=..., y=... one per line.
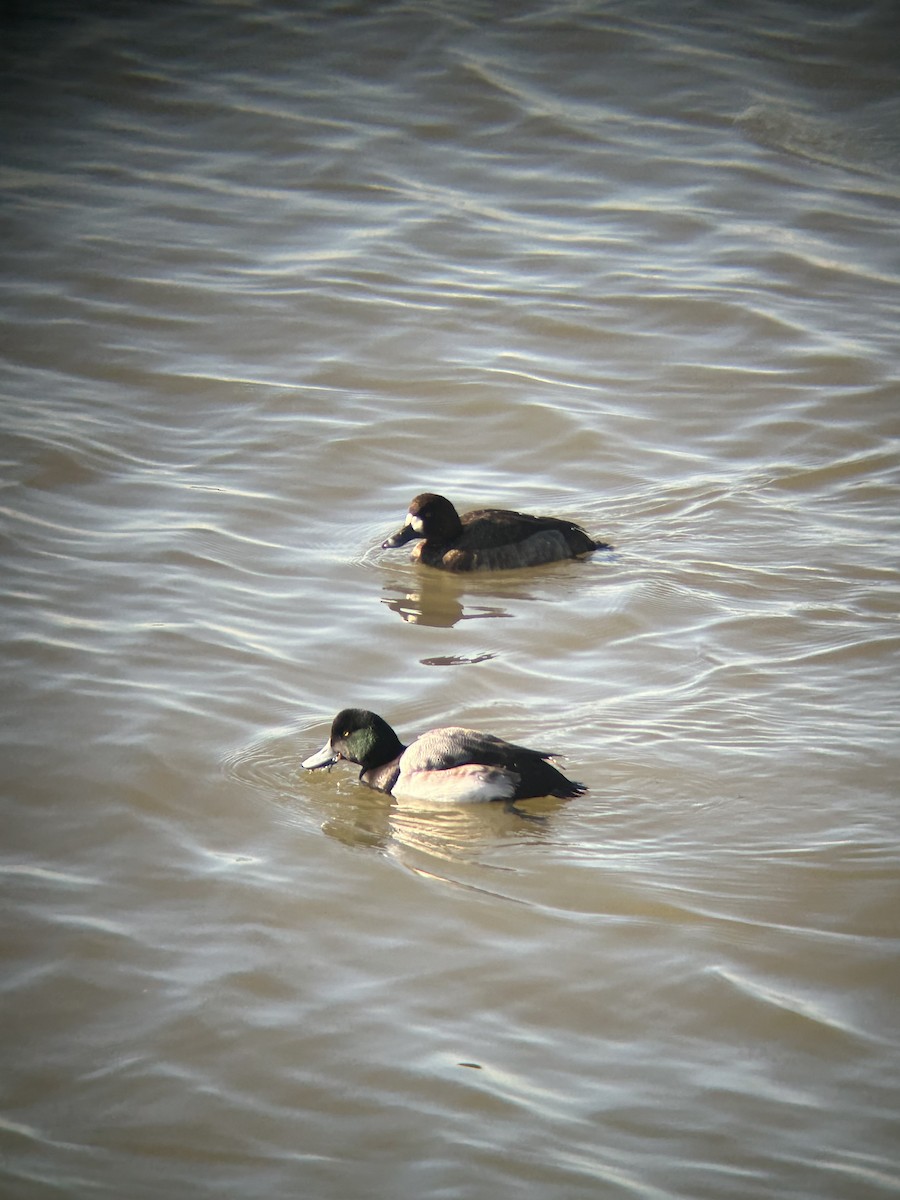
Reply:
x=451, y=765
x=488, y=539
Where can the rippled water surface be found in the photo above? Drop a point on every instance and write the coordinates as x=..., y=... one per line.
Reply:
x=268, y=272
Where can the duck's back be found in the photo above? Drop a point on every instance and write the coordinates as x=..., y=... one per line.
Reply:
x=499, y=539
x=452, y=746
x=485, y=528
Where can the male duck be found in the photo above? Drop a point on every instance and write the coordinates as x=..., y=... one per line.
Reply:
x=489, y=539
x=453, y=765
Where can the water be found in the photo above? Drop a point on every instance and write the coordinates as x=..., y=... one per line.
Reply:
x=269, y=271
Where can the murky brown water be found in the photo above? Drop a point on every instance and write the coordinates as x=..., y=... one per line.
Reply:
x=268, y=273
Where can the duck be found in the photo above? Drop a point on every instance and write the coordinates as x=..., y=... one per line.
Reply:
x=487, y=539
x=449, y=765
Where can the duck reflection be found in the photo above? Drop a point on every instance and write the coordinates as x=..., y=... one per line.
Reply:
x=438, y=600
x=421, y=837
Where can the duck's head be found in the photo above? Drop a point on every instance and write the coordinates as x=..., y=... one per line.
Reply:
x=430, y=517
x=358, y=736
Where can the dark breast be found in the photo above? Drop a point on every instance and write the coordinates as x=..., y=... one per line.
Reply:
x=382, y=778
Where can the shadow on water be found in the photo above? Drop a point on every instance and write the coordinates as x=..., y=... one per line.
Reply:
x=858, y=142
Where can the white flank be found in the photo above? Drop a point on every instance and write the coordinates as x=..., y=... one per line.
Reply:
x=469, y=784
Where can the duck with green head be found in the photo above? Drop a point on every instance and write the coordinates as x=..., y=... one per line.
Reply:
x=451, y=764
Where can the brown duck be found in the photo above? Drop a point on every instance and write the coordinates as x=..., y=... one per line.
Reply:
x=488, y=539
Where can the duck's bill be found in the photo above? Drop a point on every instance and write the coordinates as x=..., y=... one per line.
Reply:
x=400, y=538
x=325, y=757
